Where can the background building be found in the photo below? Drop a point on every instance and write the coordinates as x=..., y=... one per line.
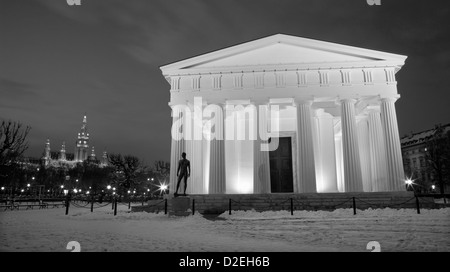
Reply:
x=81, y=154
x=415, y=162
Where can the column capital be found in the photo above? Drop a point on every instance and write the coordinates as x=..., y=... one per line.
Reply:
x=258, y=102
x=347, y=100
x=389, y=98
x=373, y=109
x=303, y=102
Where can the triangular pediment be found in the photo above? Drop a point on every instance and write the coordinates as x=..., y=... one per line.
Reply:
x=280, y=53
x=282, y=50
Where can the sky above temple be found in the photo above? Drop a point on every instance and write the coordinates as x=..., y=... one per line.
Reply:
x=102, y=58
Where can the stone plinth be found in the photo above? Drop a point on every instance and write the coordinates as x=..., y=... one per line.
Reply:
x=180, y=206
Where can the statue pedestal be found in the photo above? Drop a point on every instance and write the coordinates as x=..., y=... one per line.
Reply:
x=180, y=206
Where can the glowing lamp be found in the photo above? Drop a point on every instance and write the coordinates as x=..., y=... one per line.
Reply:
x=108, y=187
x=408, y=181
x=433, y=187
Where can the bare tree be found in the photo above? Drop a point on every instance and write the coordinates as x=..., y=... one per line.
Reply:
x=161, y=172
x=126, y=169
x=12, y=141
x=438, y=156
x=12, y=146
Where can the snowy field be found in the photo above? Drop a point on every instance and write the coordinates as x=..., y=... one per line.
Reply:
x=394, y=230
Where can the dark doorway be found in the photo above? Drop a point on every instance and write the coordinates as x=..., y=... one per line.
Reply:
x=281, y=178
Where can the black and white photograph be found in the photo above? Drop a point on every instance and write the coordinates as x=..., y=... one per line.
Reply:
x=243, y=128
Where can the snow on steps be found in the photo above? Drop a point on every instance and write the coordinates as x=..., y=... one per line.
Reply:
x=216, y=204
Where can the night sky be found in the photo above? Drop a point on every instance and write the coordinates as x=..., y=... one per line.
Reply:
x=58, y=62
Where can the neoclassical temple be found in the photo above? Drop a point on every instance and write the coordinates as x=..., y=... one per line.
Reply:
x=327, y=110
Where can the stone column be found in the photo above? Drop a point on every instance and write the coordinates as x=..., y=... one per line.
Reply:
x=395, y=170
x=196, y=182
x=177, y=145
x=326, y=143
x=364, y=154
x=217, y=176
x=352, y=161
x=377, y=152
x=306, y=171
x=261, y=166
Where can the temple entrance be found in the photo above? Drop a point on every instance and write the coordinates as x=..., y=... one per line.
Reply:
x=281, y=174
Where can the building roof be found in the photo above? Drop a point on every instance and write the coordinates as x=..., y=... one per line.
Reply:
x=283, y=50
x=421, y=137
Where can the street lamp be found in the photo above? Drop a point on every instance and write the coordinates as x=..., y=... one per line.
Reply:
x=32, y=178
x=76, y=180
x=28, y=185
x=108, y=187
x=3, y=188
x=62, y=186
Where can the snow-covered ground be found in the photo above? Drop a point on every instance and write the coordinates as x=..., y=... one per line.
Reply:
x=340, y=230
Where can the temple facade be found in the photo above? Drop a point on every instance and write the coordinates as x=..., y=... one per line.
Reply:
x=285, y=114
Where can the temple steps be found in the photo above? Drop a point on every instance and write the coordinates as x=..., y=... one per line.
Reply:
x=216, y=204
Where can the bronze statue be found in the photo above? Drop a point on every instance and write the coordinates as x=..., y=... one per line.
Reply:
x=184, y=171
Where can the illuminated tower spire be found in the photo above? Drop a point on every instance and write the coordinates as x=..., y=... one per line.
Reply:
x=62, y=153
x=47, y=149
x=104, y=161
x=47, y=156
x=82, y=143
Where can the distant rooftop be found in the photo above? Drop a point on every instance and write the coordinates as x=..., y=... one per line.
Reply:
x=420, y=137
